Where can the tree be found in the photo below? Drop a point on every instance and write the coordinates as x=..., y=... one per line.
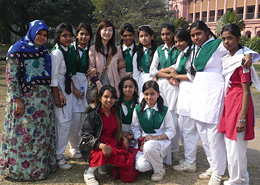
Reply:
x=136, y=12
x=18, y=13
x=179, y=23
x=228, y=18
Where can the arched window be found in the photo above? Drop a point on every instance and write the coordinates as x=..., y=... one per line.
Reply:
x=248, y=34
x=258, y=34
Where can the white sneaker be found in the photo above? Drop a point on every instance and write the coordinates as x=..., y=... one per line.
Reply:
x=206, y=175
x=66, y=157
x=159, y=176
x=64, y=165
x=215, y=179
x=75, y=153
x=176, y=156
x=90, y=179
x=226, y=183
x=185, y=166
x=102, y=170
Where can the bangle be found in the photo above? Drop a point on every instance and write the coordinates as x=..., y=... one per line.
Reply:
x=59, y=88
x=242, y=120
x=159, y=137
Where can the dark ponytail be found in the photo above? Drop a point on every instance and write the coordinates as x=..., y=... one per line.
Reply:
x=154, y=45
x=234, y=30
x=201, y=26
x=155, y=86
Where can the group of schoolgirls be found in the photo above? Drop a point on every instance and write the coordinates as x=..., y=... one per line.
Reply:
x=181, y=89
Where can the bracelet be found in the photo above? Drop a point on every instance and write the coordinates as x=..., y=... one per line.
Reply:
x=59, y=88
x=159, y=137
x=242, y=120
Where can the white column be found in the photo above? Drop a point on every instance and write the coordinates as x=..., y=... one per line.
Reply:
x=256, y=8
x=208, y=11
x=216, y=11
x=201, y=6
x=194, y=10
x=225, y=6
x=235, y=5
x=245, y=10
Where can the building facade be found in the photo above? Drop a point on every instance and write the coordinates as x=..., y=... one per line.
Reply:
x=210, y=11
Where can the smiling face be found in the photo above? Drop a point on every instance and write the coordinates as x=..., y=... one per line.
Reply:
x=106, y=33
x=230, y=42
x=41, y=37
x=107, y=100
x=145, y=39
x=128, y=38
x=83, y=37
x=151, y=96
x=66, y=38
x=180, y=44
x=167, y=36
x=128, y=89
x=198, y=37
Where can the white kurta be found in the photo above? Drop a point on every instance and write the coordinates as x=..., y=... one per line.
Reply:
x=169, y=92
x=78, y=109
x=208, y=88
x=185, y=89
x=80, y=80
x=140, y=77
x=59, y=69
x=187, y=127
x=167, y=128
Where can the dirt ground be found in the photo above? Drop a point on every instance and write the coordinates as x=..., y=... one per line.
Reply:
x=75, y=175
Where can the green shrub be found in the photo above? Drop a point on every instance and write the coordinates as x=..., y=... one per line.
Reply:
x=254, y=44
x=244, y=41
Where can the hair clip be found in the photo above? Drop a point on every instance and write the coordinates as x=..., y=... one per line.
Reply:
x=139, y=27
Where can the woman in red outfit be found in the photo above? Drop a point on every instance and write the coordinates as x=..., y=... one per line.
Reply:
x=101, y=134
x=237, y=121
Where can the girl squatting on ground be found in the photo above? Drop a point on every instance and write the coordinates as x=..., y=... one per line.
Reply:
x=102, y=136
x=152, y=122
x=127, y=101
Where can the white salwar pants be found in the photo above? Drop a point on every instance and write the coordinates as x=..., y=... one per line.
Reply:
x=151, y=157
x=190, y=136
x=78, y=119
x=214, y=146
x=175, y=140
x=237, y=161
x=62, y=137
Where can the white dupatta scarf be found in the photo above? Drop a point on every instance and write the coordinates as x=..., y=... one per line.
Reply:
x=231, y=63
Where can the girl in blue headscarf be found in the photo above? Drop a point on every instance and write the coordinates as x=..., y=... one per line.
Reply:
x=28, y=141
